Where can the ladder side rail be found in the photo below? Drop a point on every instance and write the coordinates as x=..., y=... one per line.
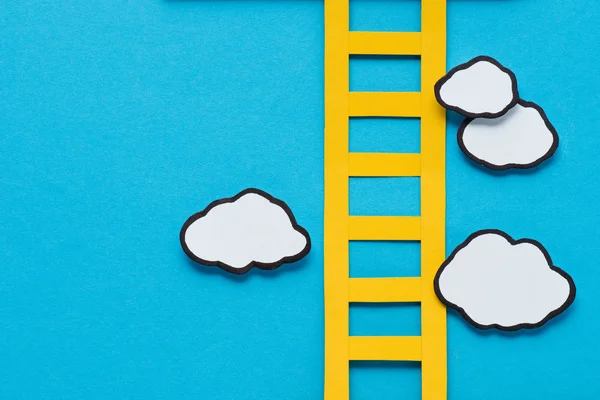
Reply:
x=336, y=270
x=433, y=199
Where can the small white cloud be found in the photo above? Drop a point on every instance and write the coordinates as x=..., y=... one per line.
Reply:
x=497, y=282
x=481, y=87
x=522, y=138
x=249, y=229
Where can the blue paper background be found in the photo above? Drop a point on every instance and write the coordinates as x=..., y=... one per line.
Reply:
x=119, y=119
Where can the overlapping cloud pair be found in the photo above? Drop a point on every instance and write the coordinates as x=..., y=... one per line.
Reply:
x=494, y=281
x=501, y=131
x=251, y=229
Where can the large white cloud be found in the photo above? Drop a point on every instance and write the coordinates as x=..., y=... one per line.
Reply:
x=481, y=87
x=249, y=229
x=497, y=282
x=522, y=138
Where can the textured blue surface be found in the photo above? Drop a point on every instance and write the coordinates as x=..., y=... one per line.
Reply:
x=118, y=120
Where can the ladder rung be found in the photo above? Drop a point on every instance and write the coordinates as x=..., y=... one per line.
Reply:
x=384, y=228
x=384, y=290
x=384, y=164
x=384, y=104
x=383, y=43
x=385, y=348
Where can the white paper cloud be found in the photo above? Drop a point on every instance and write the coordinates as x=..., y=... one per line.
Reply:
x=522, y=138
x=497, y=282
x=249, y=229
x=481, y=87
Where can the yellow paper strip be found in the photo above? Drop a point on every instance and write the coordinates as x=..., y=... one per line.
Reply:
x=384, y=228
x=384, y=164
x=385, y=290
x=387, y=348
x=385, y=43
x=385, y=104
x=336, y=199
x=433, y=199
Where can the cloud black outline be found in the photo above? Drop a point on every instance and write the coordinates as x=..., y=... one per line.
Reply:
x=248, y=267
x=461, y=311
x=462, y=67
x=547, y=155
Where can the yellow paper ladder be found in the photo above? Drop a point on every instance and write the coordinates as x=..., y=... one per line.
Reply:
x=340, y=228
